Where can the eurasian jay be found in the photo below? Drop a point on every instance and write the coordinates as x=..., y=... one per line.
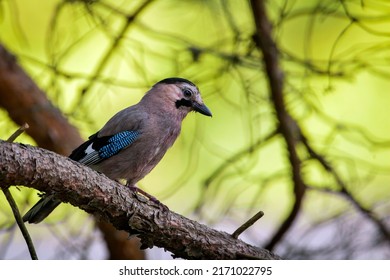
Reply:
x=134, y=140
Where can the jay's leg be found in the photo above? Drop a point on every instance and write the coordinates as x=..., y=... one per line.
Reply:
x=135, y=189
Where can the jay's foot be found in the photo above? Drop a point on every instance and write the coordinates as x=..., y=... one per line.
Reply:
x=148, y=196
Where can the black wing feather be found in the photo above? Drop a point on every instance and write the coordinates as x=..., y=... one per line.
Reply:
x=97, y=143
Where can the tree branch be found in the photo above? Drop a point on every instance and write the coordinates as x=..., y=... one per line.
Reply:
x=79, y=185
x=367, y=212
x=19, y=222
x=288, y=126
x=247, y=224
x=114, y=45
x=14, y=207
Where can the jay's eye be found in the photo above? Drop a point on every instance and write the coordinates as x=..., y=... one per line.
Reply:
x=187, y=92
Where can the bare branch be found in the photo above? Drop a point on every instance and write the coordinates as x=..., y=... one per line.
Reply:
x=20, y=223
x=106, y=199
x=115, y=43
x=13, y=205
x=345, y=192
x=17, y=133
x=288, y=126
x=247, y=224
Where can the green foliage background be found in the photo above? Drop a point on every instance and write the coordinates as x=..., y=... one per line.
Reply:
x=336, y=64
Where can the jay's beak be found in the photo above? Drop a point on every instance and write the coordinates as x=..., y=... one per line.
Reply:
x=201, y=108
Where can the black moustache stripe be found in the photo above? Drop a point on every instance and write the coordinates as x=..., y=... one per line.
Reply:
x=183, y=102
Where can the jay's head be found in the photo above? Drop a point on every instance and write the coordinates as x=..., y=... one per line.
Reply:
x=182, y=94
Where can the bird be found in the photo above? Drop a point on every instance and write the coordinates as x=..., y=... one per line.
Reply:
x=135, y=139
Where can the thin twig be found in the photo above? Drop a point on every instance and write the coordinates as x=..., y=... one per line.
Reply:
x=231, y=161
x=114, y=45
x=13, y=205
x=20, y=223
x=344, y=190
x=247, y=224
x=16, y=134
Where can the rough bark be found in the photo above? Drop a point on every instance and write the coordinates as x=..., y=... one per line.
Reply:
x=108, y=200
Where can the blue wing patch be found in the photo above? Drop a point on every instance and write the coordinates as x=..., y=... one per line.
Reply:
x=117, y=142
x=97, y=148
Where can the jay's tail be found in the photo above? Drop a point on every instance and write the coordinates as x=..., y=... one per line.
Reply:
x=41, y=209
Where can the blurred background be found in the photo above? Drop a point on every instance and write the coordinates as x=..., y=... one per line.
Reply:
x=93, y=58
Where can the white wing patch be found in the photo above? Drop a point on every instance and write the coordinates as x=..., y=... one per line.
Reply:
x=89, y=149
x=92, y=156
